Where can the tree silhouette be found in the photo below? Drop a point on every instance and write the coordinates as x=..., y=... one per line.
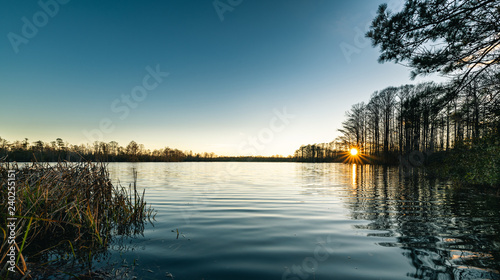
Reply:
x=459, y=37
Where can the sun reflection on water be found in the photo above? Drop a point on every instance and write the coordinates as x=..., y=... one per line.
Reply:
x=354, y=175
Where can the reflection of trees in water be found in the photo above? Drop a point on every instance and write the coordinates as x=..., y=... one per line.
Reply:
x=446, y=233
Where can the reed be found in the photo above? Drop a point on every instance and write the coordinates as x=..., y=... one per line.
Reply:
x=68, y=211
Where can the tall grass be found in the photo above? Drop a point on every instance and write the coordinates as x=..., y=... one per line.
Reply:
x=68, y=211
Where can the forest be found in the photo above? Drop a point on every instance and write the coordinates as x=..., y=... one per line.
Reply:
x=454, y=126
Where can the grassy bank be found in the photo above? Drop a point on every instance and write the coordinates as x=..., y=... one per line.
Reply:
x=471, y=162
x=66, y=213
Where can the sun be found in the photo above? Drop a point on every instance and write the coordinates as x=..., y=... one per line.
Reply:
x=354, y=156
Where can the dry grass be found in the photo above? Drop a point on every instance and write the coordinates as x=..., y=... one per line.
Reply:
x=68, y=211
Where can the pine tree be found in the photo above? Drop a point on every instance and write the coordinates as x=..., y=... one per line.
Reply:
x=460, y=38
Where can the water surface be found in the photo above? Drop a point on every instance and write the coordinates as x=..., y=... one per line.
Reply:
x=308, y=221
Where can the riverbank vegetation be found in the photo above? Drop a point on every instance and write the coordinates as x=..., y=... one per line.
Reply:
x=67, y=215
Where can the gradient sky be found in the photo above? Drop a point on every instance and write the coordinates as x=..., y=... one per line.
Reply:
x=229, y=71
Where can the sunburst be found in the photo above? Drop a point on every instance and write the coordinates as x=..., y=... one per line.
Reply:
x=354, y=156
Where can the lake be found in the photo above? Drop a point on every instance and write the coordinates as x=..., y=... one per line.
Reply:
x=307, y=221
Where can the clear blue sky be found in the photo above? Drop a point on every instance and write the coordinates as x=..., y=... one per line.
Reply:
x=66, y=67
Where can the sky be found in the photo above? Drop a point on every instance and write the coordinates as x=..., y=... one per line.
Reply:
x=233, y=77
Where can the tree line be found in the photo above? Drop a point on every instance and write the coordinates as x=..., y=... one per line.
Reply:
x=321, y=152
x=59, y=150
x=98, y=151
x=426, y=117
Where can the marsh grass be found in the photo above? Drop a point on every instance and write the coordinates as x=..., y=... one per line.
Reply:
x=67, y=213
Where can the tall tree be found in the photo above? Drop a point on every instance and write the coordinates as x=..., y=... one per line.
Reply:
x=387, y=102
